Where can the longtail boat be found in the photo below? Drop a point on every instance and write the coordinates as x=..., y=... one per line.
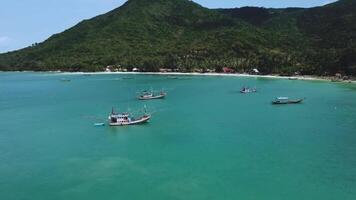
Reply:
x=149, y=95
x=286, y=100
x=125, y=119
x=246, y=90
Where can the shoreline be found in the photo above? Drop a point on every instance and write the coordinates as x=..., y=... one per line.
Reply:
x=271, y=76
x=304, y=78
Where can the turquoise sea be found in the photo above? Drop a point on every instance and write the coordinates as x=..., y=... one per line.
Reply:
x=205, y=140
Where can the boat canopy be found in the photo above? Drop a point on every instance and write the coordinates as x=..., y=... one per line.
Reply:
x=282, y=98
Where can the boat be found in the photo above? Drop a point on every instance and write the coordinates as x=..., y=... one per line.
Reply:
x=149, y=95
x=126, y=119
x=286, y=100
x=99, y=124
x=246, y=90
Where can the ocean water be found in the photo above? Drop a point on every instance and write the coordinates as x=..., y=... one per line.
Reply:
x=205, y=140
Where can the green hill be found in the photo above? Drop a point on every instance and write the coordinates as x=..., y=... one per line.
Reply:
x=180, y=34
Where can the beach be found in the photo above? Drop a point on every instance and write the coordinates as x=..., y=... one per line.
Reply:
x=306, y=77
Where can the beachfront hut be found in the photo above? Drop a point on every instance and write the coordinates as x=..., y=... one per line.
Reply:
x=255, y=71
x=228, y=70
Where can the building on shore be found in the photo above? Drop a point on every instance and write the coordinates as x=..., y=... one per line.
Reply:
x=165, y=70
x=228, y=70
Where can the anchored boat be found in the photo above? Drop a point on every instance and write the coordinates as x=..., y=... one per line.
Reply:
x=99, y=124
x=286, y=100
x=149, y=95
x=246, y=90
x=125, y=119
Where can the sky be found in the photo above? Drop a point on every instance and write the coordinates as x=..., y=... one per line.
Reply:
x=24, y=22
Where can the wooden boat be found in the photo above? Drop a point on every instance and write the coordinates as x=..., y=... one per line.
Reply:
x=246, y=90
x=147, y=95
x=125, y=119
x=99, y=124
x=286, y=100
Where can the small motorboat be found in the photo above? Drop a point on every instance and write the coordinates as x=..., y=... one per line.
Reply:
x=149, y=95
x=246, y=90
x=125, y=119
x=286, y=100
x=99, y=124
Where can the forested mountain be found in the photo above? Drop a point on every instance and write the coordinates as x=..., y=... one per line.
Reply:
x=180, y=34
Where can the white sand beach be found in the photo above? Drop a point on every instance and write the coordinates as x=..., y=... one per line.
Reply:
x=307, y=78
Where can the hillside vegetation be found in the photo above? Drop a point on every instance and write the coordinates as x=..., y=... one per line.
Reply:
x=180, y=34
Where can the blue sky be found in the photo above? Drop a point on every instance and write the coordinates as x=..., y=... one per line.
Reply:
x=24, y=22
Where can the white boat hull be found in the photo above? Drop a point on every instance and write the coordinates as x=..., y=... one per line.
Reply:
x=161, y=96
x=134, y=122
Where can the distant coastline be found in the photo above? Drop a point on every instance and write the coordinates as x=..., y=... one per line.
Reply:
x=272, y=76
